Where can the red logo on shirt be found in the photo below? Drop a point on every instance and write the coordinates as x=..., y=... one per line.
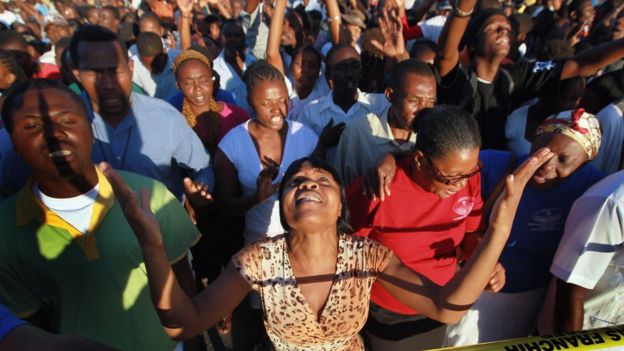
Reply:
x=463, y=206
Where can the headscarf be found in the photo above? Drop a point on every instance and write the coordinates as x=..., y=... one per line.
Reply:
x=579, y=125
x=210, y=127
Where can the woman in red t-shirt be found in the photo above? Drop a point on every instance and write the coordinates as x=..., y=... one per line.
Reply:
x=434, y=209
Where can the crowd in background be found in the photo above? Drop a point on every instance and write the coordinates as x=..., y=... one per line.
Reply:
x=322, y=174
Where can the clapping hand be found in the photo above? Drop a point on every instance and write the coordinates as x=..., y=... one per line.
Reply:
x=330, y=135
x=266, y=188
x=377, y=179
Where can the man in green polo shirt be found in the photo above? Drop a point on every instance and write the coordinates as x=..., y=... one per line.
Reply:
x=67, y=252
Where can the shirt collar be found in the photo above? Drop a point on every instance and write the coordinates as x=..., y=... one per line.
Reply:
x=384, y=133
x=382, y=129
x=29, y=207
x=363, y=100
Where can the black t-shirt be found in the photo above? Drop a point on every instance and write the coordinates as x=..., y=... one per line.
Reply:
x=491, y=103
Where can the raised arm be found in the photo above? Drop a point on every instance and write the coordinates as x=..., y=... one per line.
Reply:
x=452, y=33
x=417, y=12
x=333, y=15
x=450, y=302
x=223, y=7
x=184, y=23
x=391, y=27
x=181, y=316
x=273, y=55
x=590, y=61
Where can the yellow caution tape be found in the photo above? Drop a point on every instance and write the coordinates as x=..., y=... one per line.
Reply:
x=596, y=339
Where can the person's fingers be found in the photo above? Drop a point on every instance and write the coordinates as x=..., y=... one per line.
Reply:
x=119, y=186
x=271, y=162
x=188, y=184
x=528, y=167
x=387, y=180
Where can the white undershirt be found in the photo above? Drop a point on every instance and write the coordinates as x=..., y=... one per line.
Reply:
x=76, y=211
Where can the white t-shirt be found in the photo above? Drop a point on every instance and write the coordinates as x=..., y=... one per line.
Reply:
x=591, y=251
x=263, y=220
x=76, y=211
x=612, y=127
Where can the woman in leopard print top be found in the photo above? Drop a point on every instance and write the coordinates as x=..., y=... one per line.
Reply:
x=314, y=281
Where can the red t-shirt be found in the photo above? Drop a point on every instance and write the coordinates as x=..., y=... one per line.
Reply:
x=421, y=228
x=48, y=71
x=413, y=32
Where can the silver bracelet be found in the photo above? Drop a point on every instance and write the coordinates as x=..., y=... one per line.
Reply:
x=335, y=18
x=461, y=14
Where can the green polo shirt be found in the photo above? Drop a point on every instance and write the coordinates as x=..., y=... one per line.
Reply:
x=93, y=285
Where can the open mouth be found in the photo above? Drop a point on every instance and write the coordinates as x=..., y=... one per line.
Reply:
x=276, y=120
x=59, y=153
x=308, y=197
x=504, y=41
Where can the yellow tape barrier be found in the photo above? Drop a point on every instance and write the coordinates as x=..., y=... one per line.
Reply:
x=596, y=339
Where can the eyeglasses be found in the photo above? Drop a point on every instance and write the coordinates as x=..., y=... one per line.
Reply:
x=440, y=177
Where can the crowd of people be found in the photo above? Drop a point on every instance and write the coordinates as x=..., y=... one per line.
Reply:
x=309, y=174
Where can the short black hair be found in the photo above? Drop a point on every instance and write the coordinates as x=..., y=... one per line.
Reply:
x=9, y=37
x=91, y=33
x=403, y=68
x=15, y=97
x=149, y=44
x=444, y=129
x=112, y=10
x=335, y=48
x=150, y=16
x=342, y=224
x=330, y=54
x=309, y=48
x=421, y=43
x=210, y=19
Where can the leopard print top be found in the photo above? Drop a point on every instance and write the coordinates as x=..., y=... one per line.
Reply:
x=289, y=320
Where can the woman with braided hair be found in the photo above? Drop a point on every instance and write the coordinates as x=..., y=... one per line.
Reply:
x=210, y=119
x=10, y=71
x=249, y=164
